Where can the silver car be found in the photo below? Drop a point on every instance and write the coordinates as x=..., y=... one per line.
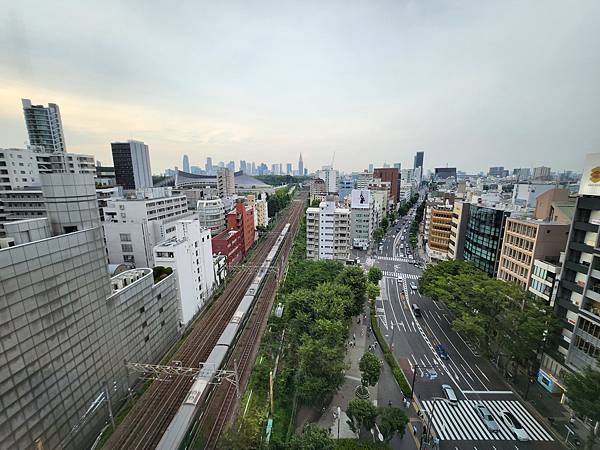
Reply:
x=450, y=394
x=515, y=426
x=486, y=416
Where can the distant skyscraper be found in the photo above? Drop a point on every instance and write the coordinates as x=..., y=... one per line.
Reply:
x=208, y=166
x=231, y=166
x=131, y=160
x=300, y=166
x=419, y=160
x=288, y=169
x=44, y=126
x=371, y=168
x=398, y=166
x=221, y=164
x=186, y=163
x=243, y=166
x=253, y=168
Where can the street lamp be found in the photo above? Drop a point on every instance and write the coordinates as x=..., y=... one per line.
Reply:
x=417, y=366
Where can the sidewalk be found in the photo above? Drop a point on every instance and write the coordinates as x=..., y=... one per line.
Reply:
x=346, y=391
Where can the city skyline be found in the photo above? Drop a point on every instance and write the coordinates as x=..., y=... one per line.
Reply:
x=472, y=87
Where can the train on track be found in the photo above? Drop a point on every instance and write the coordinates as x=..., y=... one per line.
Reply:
x=178, y=432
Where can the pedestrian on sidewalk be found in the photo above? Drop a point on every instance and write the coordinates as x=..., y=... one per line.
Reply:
x=415, y=430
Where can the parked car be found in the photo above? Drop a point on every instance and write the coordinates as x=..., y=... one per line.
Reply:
x=486, y=417
x=441, y=352
x=514, y=426
x=450, y=394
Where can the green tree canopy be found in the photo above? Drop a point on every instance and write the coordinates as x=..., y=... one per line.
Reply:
x=385, y=223
x=312, y=438
x=370, y=367
x=373, y=291
x=378, y=235
x=354, y=277
x=375, y=274
x=392, y=421
x=361, y=415
x=583, y=392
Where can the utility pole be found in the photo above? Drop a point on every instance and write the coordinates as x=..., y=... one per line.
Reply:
x=109, y=405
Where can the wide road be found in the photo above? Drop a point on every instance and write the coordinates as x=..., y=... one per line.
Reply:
x=474, y=380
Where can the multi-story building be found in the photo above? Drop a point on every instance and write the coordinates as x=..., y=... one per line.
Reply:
x=229, y=243
x=261, y=209
x=346, y=184
x=456, y=243
x=541, y=173
x=328, y=232
x=578, y=297
x=133, y=226
x=438, y=237
x=211, y=213
x=362, y=218
x=392, y=176
x=526, y=240
x=330, y=176
x=544, y=280
x=189, y=254
x=318, y=189
x=300, y=166
x=544, y=202
x=131, y=161
x=225, y=183
x=68, y=327
x=483, y=235
x=44, y=126
x=363, y=179
x=444, y=173
x=105, y=175
x=186, y=163
x=418, y=161
x=496, y=171
x=241, y=218
x=526, y=194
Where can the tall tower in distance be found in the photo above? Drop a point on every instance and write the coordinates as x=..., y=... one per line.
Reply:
x=300, y=166
x=44, y=126
x=186, y=164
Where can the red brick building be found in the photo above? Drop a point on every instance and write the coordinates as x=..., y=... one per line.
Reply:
x=392, y=175
x=242, y=219
x=229, y=243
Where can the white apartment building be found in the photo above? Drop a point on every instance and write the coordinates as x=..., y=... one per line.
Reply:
x=330, y=176
x=189, y=254
x=328, y=232
x=225, y=183
x=363, y=179
x=261, y=209
x=526, y=194
x=362, y=218
x=133, y=226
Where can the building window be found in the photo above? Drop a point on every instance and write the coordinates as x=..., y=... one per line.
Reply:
x=127, y=248
x=125, y=237
x=129, y=258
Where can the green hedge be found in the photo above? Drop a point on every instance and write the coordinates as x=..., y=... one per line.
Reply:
x=353, y=444
x=388, y=355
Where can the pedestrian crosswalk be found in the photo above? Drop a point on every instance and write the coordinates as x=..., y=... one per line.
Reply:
x=461, y=423
x=395, y=258
x=408, y=276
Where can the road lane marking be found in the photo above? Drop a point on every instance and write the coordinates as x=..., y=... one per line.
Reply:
x=487, y=392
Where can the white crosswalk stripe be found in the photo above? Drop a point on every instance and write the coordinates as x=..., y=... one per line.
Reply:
x=408, y=276
x=395, y=258
x=461, y=422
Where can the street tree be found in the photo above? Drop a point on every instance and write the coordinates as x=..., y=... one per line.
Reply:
x=361, y=414
x=583, y=391
x=375, y=274
x=312, y=438
x=373, y=291
x=378, y=235
x=392, y=421
x=385, y=223
x=370, y=367
x=354, y=278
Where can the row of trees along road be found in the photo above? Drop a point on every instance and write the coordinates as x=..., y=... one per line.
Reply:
x=503, y=320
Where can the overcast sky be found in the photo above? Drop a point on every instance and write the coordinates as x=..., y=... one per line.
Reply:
x=472, y=84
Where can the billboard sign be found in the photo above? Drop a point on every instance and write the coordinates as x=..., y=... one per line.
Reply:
x=590, y=180
x=361, y=198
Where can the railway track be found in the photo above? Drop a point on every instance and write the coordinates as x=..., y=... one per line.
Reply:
x=151, y=414
x=223, y=406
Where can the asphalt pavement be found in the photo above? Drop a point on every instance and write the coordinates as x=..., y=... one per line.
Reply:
x=415, y=332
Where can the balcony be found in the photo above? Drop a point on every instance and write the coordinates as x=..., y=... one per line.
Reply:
x=581, y=247
x=585, y=226
x=578, y=267
x=570, y=285
x=592, y=307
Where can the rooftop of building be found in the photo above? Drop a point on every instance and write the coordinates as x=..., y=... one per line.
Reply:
x=567, y=208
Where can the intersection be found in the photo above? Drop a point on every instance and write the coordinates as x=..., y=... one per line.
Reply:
x=414, y=338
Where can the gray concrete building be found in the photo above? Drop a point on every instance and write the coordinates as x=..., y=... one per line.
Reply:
x=66, y=327
x=44, y=126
